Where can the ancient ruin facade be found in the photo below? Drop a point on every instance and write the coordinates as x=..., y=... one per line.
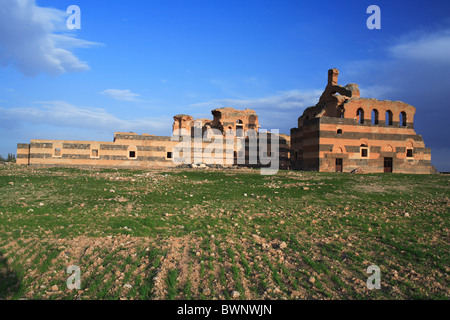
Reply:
x=235, y=128
x=344, y=132
x=226, y=120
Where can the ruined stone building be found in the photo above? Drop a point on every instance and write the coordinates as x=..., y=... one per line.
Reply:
x=343, y=132
x=225, y=119
x=131, y=150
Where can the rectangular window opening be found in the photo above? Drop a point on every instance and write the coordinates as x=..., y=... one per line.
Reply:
x=409, y=153
x=132, y=154
x=364, y=152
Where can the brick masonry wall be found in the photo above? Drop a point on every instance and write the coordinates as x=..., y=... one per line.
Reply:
x=149, y=151
x=23, y=153
x=381, y=141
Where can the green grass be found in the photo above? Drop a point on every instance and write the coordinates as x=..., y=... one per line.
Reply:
x=171, y=282
x=137, y=223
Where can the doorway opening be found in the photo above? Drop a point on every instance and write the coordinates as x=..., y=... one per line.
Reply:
x=339, y=165
x=387, y=164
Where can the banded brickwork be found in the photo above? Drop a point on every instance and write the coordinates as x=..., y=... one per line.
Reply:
x=127, y=150
x=130, y=150
x=344, y=132
x=23, y=153
x=378, y=141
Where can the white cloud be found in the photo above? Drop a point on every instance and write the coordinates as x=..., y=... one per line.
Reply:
x=431, y=47
x=279, y=111
x=413, y=69
x=122, y=95
x=292, y=99
x=375, y=91
x=63, y=114
x=239, y=87
x=36, y=40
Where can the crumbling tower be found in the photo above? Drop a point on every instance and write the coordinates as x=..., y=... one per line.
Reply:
x=344, y=132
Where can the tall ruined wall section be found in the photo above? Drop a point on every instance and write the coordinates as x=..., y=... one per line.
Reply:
x=344, y=132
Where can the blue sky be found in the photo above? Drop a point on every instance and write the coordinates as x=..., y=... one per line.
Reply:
x=134, y=64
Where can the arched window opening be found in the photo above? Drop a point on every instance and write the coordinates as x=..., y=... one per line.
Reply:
x=374, y=116
x=389, y=118
x=360, y=115
x=239, y=129
x=403, y=119
x=180, y=130
x=252, y=121
x=341, y=112
x=339, y=131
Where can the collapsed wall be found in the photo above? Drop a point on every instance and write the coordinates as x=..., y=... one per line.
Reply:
x=344, y=132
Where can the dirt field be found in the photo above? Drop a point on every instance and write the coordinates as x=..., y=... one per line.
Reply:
x=221, y=234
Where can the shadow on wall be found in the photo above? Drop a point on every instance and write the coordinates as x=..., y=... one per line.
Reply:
x=9, y=281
